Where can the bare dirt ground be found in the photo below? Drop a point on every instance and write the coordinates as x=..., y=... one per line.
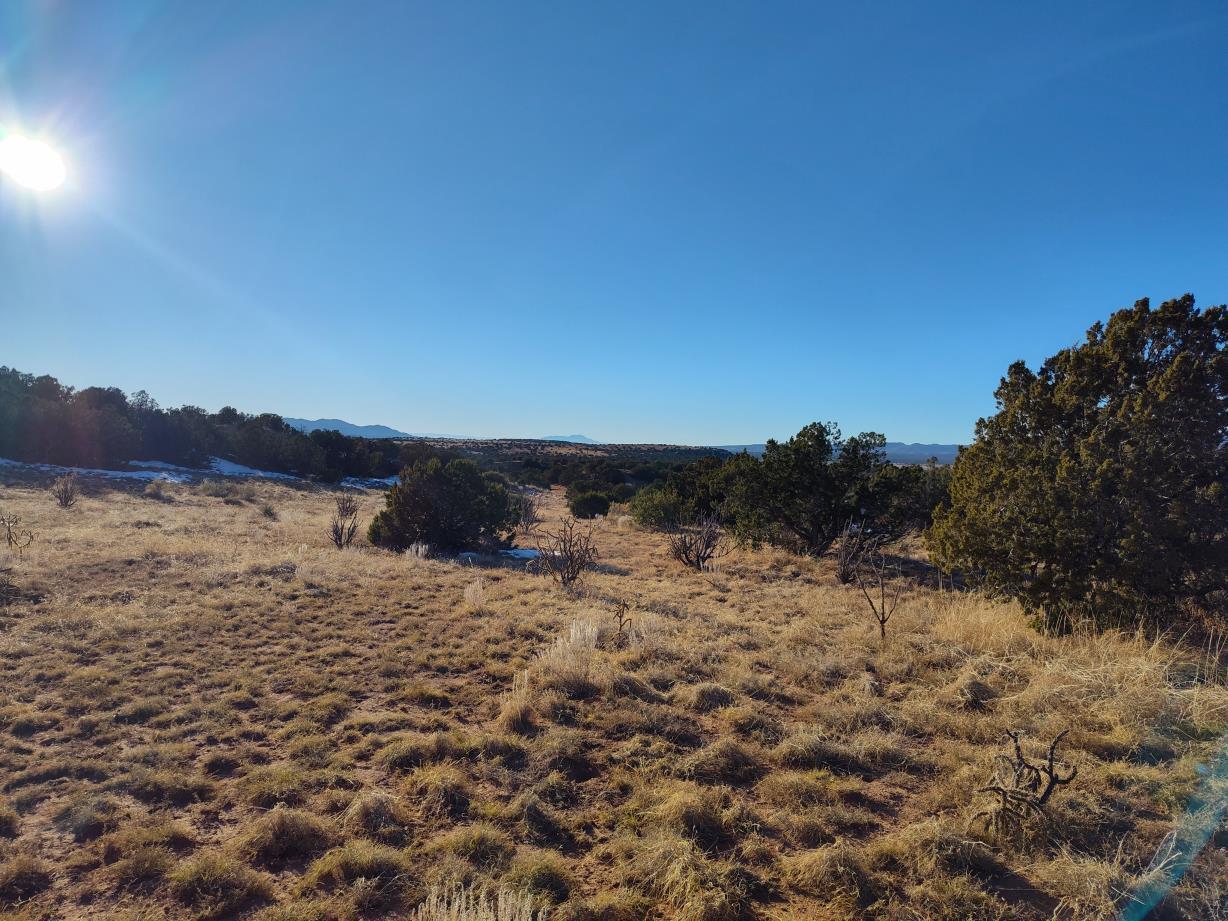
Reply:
x=208, y=711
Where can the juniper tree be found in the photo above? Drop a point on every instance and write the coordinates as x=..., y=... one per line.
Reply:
x=1100, y=486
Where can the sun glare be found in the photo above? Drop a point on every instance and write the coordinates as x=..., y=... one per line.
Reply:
x=31, y=163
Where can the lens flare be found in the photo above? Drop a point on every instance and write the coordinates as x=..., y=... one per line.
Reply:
x=31, y=163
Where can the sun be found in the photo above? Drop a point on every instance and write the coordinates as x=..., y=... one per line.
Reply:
x=31, y=163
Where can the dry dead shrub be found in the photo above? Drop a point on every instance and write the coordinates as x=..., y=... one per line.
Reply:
x=528, y=510
x=1021, y=788
x=698, y=544
x=65, y=490
x=344, y=523
x=16, y=535
x=566, y=553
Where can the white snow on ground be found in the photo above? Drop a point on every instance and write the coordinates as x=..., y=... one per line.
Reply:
x=156, y=470
x=365, y=482
x=521, y=553
x=230, y=468
x=173, y=475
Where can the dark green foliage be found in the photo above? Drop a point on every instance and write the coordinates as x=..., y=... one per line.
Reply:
x=905, y=497
x=1100, y=487
x=659, y=507
x=42, y=421
x=589, y=505
x=804, y=491
x=451, y=506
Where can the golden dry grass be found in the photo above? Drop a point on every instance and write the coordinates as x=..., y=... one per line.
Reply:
x=207, y=710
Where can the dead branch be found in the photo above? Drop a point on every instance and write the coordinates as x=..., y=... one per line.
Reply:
x=1021, y=788
x=698, y=544
x=874, y=578
x=344, y=523
x=566, y=553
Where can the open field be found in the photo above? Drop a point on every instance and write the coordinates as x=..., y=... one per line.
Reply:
x=208, y=711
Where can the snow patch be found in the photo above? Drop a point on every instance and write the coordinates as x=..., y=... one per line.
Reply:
x=368, y=482
x=156, y=470
x=521, y=553
x=230, y=468
x=171, y=475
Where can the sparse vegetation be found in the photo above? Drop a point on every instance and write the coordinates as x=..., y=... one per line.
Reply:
x=231, y=727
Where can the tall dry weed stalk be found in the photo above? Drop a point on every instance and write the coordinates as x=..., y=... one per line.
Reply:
x=471, y=903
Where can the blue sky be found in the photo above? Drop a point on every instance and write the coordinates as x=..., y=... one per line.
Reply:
x=694, y=223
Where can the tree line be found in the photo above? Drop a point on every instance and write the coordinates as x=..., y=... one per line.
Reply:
x=44, y=421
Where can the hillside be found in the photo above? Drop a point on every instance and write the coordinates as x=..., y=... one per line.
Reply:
x=210, y=712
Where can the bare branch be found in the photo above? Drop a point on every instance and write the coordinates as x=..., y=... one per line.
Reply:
x=566, y=553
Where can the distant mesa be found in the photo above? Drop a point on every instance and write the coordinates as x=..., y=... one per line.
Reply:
x=573, y=439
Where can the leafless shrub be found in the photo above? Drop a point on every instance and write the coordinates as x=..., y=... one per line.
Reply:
x=17, y=537
x=697, y=544
x=567, y=552
x=874, y=578
x=65, y=490
x=1021, y=787
x=855, y=547
x=529, y=509
x=344, y=524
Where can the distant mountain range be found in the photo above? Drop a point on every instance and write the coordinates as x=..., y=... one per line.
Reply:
x=897, y=452
x=345, y=428
x=383, y=431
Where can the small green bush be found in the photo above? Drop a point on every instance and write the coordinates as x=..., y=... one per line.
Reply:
x=452, y=506
x=589, y=505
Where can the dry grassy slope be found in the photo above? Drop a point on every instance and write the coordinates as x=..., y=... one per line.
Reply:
x=175, y=670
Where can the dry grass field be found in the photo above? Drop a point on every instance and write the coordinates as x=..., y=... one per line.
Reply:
x=208, y=711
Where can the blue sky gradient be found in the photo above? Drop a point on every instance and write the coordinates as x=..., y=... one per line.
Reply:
x=696, y=223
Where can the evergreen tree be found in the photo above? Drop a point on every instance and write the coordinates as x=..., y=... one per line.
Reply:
x=452, y=506
x=1100, y=486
